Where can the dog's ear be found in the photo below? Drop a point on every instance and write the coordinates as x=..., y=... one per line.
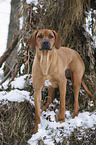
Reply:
x=58, y=40
x=32, y=40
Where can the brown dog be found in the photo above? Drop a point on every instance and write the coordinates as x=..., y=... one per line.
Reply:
x=50, y=63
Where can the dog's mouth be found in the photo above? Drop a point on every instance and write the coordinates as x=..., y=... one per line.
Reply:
x=45, y=48
x=45, y=45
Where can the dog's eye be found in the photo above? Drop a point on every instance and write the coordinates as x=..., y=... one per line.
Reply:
x=50, y=36
x=40, y=36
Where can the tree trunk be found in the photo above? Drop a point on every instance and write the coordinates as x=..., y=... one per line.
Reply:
x=13, y=28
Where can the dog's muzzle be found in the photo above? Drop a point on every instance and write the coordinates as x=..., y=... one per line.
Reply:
x=45, y=45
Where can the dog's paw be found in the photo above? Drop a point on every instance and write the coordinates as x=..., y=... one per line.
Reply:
x=35, y=129
x=59, y=119
x=74, y=115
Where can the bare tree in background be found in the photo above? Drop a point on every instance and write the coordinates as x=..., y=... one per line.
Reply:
x=13, y=28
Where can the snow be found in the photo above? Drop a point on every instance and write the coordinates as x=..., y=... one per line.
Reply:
x=88, y=23
x=5, y=6
x=35, y=3
x=29, y=1
x=1, y=72
x=47, y=83
x=14, y=95
x=17, y=93
x=21, y=22
x=19, y=82
x=51, y=130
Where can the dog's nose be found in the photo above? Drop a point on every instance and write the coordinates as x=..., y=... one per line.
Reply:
x=45, y=42
x=45, y=45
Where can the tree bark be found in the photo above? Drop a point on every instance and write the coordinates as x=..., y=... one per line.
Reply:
x=9, y=50
x=13, y=28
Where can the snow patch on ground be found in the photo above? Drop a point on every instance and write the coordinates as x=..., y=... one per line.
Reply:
x=19, y=82
x=16, y=95
x=49, y=131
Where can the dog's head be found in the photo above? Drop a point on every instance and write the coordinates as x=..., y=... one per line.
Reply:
x=44, y=39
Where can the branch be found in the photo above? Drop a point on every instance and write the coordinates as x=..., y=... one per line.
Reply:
x=9, y=50
x=5, y=78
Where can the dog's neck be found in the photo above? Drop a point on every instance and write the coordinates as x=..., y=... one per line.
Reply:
x=45, y=59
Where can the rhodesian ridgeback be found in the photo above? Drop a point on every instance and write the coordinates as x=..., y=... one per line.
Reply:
x=50, y=63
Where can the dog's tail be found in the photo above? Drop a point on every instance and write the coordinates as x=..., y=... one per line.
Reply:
x=87, y=90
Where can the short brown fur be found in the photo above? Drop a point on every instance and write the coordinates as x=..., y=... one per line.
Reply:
x=51, y=65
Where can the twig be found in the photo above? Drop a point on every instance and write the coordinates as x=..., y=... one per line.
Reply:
x=28, y=62
x=5, y=78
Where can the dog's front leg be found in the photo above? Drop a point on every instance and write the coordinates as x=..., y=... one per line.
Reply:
x=37, y=101
x=62, y=89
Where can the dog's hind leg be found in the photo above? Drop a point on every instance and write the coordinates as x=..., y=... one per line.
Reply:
x=51, y=96
x=62, y=89
x=76, y=79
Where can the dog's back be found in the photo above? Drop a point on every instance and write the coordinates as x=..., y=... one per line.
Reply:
x=71, y=59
